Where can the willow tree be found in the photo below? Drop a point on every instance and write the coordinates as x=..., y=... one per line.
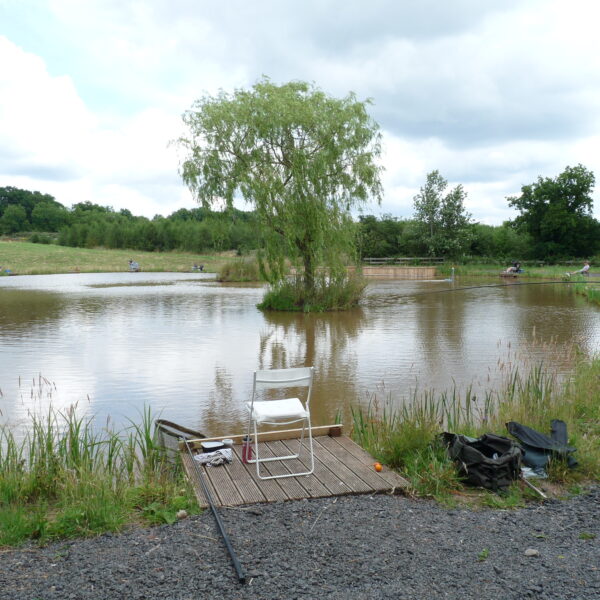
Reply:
x=302, y=159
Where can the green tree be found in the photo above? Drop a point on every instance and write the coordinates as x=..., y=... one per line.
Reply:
x=48, y=216
x=301, y=158
x=11, y=196
x=444, y=223
x=557, y=214
x=14, y=219
x=380, y=237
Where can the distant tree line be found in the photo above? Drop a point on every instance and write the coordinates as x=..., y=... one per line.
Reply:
x=555, y=222
x=88, y=225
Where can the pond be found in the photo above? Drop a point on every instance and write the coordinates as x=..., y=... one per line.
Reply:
x=186, y=346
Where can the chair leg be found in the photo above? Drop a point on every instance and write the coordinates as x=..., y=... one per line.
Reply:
x=257, y=460
x=310, y=446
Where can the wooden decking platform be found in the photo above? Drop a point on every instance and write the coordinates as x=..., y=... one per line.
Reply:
x=341, y=467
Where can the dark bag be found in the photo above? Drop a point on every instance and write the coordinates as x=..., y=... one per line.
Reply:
x=491, y=461
x=538, y=448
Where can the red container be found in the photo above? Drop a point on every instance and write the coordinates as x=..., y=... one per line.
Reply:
x=247, y=449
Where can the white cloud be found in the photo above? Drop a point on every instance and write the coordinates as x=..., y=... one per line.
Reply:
x=491, y=94
x=52, y=142
x=43, y=121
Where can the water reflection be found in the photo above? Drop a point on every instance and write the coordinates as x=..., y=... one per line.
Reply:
x=326, y=342
x=19, y=311
x=187, y=346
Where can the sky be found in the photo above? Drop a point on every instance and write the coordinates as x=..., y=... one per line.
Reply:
x=493, y=94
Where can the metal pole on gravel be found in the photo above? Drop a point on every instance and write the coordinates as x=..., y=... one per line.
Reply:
x=236, y=563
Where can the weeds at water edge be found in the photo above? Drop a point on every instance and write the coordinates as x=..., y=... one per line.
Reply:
x=68, y=478
x=404, y=435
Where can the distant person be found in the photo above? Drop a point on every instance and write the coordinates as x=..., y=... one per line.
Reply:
x=585, y=270
x=514, y=268
x=134, y=266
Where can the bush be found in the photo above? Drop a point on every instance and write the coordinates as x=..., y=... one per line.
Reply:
x=240, y=270
x=40, y=238
x=329, y=293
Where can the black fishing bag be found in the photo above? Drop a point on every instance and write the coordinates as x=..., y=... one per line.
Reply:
x=538, y=448
x=491, y=461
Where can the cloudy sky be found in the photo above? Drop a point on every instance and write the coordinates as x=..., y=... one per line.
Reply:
x=493, y=94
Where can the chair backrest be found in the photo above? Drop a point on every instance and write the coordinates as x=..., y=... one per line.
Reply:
x=283, y=378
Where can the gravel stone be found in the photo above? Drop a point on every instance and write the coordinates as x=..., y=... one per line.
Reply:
x=350, y=547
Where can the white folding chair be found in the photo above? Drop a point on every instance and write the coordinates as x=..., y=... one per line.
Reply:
x=281, y=412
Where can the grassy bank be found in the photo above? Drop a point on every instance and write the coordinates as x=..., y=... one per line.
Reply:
x=591, y=292
x=67, y=479
x=24, y=258
x=534, y=271
x=405, y=438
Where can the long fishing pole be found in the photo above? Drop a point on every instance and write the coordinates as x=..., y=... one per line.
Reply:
x=495, y=285
x=236, y=563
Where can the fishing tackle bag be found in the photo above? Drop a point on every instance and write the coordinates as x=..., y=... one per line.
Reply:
x=491, y=461
x=539, y=449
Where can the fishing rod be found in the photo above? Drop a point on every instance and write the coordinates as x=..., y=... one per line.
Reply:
x=496, y=285
x=236, y=563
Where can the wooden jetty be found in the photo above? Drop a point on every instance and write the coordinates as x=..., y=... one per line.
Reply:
x=341, y=467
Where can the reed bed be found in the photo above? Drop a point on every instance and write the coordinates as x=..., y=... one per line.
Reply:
x=69, y=478
x=404, y=435
x=590, y=292
x=241, y=269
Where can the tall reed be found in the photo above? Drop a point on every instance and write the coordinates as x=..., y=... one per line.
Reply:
x=240, y=269
x=68, y=477
x=403, y=434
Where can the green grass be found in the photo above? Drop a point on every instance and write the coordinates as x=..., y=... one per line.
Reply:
x=406, y=438
x=533, y=271
x=25, y=258
x=68, y=478
x=590, y=292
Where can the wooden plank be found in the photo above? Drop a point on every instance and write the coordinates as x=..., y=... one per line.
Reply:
x=284, y=434
x=393, y=478
x=227, y=493
x=352, y=481
x=270, y=489
x=328, y=478
x=340, y=479
x=341, y=467
x=316, y=488
x=289, y=485
x=190, y=469
x=243, y=480
x=365, y=471
x=312, y=486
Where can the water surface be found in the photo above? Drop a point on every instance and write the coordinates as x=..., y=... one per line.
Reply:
x=186, y=345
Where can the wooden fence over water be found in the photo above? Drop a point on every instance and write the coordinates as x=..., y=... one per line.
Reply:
x=397, y=272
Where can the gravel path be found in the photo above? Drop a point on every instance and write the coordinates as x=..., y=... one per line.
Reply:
x=346, y=547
